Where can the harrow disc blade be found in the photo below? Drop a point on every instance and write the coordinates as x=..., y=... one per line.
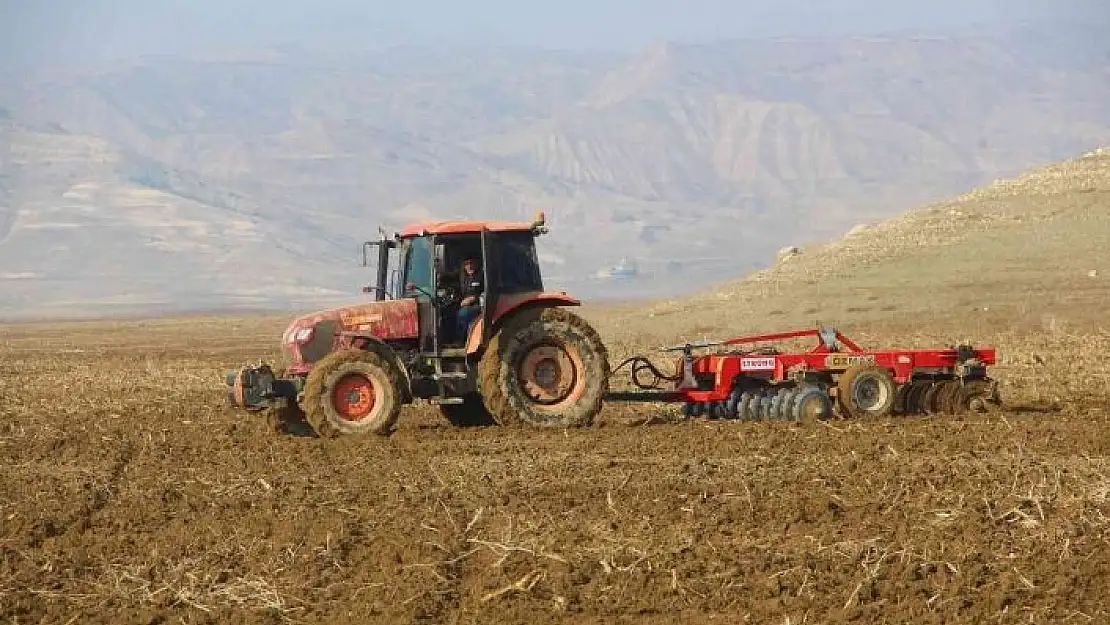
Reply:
x=946, y=396
x=764, y=407
x=915, y=397
x=776, y=405
x=786, y=405
x=749, y=406
x=977, y=396
x=900, y=398
x=929, y=398
x=809, y=405
x=744, y=407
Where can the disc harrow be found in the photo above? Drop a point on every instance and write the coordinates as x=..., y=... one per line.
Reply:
x=835, y=379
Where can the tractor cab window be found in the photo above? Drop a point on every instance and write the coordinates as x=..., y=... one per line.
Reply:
x=518, y=263
x=418, y=267
x=456, y=251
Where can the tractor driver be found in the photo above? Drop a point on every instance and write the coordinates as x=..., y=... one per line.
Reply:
x=470, y=288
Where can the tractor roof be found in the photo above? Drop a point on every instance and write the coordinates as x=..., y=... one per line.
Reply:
x=464, y=227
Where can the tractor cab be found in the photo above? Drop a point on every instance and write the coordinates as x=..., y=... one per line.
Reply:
x=424, y=263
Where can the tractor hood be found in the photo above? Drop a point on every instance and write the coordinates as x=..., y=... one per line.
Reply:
x=311, y=337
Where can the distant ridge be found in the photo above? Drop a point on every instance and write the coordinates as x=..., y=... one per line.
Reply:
x=208, y=183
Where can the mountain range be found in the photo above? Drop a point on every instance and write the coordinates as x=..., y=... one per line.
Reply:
x=250, y=180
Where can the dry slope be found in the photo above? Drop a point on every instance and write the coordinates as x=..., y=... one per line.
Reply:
x=1015, y=254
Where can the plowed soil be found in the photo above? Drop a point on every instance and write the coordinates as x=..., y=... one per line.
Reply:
x=132, y=494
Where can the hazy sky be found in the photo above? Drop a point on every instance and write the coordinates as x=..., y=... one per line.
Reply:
x=65, y=30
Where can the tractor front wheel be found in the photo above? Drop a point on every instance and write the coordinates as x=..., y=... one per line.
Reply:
x=547, y=368
x=352, y=392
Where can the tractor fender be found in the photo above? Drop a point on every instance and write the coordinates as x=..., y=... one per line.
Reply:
x=369, y=342
x=507, y=305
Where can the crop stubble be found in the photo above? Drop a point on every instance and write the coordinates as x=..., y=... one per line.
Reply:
x=131, y=494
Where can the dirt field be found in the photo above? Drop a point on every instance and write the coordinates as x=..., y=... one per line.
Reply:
x=131, y=494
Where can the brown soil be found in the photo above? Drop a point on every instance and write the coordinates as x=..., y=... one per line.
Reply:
x=131, y=494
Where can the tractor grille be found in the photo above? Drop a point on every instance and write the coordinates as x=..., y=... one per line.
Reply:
x=291, y=354
x=321, y=342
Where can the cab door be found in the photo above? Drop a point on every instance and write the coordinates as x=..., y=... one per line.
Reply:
x=491, y=273
x=420, y=284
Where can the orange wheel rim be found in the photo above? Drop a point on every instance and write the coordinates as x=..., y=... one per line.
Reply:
x=548, y=375
x=353, y=397
x=240, y=399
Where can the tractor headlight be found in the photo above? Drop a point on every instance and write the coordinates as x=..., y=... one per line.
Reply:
x=303, y=335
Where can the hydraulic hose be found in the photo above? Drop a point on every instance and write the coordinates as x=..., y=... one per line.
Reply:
x=641, y=364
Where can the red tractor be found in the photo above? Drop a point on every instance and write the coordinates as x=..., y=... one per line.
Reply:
x=524, y=357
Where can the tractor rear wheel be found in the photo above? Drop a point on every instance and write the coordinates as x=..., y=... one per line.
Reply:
x=546, y=367
x=352, y=391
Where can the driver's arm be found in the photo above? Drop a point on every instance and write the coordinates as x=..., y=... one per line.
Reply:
x=470, y=293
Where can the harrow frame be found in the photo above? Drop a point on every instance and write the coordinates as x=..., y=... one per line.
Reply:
x=835, y=376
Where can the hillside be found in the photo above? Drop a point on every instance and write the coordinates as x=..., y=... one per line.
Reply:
x=250, y=181
x=81, y=236
x=1024, y=256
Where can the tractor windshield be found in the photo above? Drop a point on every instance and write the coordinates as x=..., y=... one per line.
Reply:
x=418, y=267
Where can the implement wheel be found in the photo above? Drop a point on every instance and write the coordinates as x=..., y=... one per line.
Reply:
x=866, y=391
x=352, y=392
x=546, y=367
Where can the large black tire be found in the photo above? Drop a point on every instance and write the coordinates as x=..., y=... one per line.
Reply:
x=546, y=367
x=352, y=391
x=866, y=391
x=471, y=413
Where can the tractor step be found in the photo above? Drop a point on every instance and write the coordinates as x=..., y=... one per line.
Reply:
x=445, y=400
x=449, y=352
x=450, y=375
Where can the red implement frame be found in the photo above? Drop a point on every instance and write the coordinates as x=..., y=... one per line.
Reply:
x=902, y=363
